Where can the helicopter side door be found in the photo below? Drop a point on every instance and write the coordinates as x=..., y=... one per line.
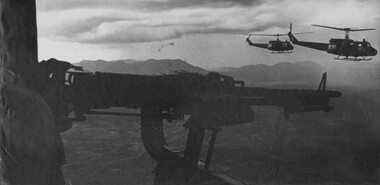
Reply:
x=352, y=49
x=333, y=47
x=361, y=48
x=284, y=46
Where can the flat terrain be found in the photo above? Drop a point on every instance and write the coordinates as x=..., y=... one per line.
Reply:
x=310, y=148
x=107, y=150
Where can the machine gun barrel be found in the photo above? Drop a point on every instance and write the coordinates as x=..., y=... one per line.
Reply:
x=292, y=100
x=268, y=93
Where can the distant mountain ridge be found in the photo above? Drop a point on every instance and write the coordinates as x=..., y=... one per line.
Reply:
x=147, y=67
x=305, y=74
x=283, y=72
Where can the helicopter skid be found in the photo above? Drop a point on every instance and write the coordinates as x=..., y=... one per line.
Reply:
x=278, y=52
x=353, y=59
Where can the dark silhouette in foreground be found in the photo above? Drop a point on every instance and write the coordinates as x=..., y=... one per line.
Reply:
x=211, y=100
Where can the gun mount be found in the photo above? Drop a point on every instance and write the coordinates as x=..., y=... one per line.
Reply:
x=211, y=100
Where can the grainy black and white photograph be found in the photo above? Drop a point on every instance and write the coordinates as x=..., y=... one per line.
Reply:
x=188, y=92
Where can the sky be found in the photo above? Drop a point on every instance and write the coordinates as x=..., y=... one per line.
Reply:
x=204, y=33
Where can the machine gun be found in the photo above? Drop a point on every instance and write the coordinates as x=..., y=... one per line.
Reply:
x=211, y=100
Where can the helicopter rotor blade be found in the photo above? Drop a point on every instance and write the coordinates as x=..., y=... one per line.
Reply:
x=367, y=29
x=301, y=33
x=342, y=29
x=290, y=27
x=272, y=35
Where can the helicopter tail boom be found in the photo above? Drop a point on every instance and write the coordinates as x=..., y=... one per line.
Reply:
x=292, y=38
x=314, y=45
x=256, y=44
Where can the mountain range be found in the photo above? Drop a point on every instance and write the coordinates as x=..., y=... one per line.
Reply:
x=298, y=74
x=281, y=73
x=147, y=67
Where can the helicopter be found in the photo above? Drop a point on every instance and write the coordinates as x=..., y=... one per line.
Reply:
x=273, y=45
x=345, y=47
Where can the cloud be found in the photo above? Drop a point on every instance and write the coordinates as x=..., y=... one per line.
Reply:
x=131, y=21
x=121, y=32
x=69, y=23
x=56, y=5
x=120, y=27
x=81, y=26
x=172, y=4
x=53, y=5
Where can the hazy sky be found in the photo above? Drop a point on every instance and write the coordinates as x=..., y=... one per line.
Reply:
x=205, y=33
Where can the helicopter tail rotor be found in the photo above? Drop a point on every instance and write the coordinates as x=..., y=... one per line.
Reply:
x=249, y=36
x=291, y=34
